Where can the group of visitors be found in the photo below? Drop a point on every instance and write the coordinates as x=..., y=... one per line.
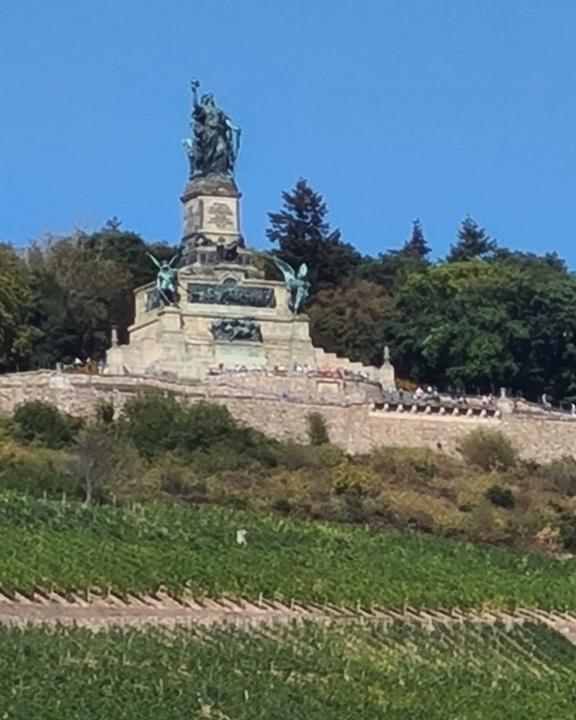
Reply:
x=488, y=401
x=87, y=366
x=296, y=369
x=428, y=394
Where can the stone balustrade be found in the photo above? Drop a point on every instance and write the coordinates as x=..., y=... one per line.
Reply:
x=438, y=410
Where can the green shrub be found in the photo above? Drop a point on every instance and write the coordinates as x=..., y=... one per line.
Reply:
x=105, y=412
x=317, y=429
x=205, y=433
x=42, y=423
x=560, y=475
x=155, y=422
x=500, y=497
x=488, y=450
x=36, y=471
x=567, y=529
x=414, y=466
x=173, y=476
x=294, y=456
x=208, y=423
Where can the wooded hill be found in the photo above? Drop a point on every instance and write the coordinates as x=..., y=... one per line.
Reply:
x=481, y=318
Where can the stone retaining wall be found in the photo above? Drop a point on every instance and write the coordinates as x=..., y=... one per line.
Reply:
x=352, y=424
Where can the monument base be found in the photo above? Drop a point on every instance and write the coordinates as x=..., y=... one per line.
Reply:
x=227, y=315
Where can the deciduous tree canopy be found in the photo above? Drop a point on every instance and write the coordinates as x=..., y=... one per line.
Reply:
x=484, y=317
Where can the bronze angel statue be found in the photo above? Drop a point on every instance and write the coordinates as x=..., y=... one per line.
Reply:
x=166, y=279
x=296, y=282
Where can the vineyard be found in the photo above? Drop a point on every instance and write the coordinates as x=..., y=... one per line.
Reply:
x=157, y=611
x=348, y=671
x=192, y=551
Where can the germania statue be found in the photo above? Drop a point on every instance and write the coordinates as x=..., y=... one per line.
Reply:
x=214, y=143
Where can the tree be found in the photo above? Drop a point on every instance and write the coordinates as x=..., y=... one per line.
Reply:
x=317, y=429
x=303, y=235
x=43, y=423
x=94, y=460
x=80, y=296
x=393, y=268
x=416, y=244
x=353, y=320
x=17, y=301
x=473, y=243
x=127, y=249
x=489, y=324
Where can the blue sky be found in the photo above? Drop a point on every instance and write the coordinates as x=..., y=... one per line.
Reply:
x=391, y=108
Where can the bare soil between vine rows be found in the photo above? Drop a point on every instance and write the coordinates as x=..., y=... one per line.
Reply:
x=96, y=612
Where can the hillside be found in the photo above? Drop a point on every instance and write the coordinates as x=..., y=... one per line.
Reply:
x=348, y=642
x=174, y=564
x=355, y=671
x=193, y=551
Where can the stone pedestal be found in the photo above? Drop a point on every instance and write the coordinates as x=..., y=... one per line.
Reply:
x=170, y=334
x=210, y=215
x=226, y=314
x=231, y=354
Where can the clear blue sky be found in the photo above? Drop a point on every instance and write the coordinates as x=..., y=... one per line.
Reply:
x=391, y=108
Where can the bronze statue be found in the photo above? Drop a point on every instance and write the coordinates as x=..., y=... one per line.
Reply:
x=236, y=329
x=213, y=147
x=166, y=279
x=296, y=283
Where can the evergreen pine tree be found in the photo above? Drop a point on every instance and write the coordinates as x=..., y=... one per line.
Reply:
x=416, y=244
x=473, y=242
x=303, y=235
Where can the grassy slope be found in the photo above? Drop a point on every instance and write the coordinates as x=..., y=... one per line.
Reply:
x=69, y=547
x=363, y=672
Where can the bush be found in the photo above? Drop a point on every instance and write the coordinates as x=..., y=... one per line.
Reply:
x=500, y=497
x=105, y=412
x=488, y=450
x=413, y=466
x=154, y=422
x=294, y=456
x=172, y=476
x=560, y=475
x=205, y=433
x=42, y=422
x=35, y=470
x=317, y=429
x=207, y=424
x=567, y=529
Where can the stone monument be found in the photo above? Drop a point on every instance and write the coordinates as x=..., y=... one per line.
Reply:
x=210, y=306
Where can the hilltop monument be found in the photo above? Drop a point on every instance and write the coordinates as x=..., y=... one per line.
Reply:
x=210, y=306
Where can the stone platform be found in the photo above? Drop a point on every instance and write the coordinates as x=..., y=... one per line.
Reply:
x=225, y=314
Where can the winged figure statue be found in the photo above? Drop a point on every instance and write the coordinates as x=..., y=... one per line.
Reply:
x=166, y=278
x=296, y=282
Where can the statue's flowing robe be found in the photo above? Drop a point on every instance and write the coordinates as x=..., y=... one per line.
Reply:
x=213, y=147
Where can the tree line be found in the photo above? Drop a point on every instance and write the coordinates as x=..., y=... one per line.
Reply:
x=482, y=317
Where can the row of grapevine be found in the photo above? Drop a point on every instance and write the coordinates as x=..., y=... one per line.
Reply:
x=70, y=547
x=352, y=671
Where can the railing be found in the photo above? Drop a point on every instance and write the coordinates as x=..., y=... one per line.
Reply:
x=437, y=409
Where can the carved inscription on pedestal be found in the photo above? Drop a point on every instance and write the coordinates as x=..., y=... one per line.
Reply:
x=221, y=216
